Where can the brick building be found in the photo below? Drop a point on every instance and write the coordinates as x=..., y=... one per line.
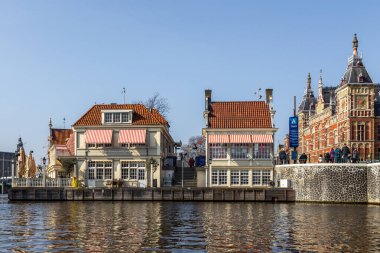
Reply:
x=345, y=113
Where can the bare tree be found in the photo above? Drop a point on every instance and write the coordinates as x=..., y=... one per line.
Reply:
x=195, y=146
x=157, y=102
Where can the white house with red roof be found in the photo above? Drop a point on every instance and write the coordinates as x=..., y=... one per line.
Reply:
x=239, y=143
x=127, y=143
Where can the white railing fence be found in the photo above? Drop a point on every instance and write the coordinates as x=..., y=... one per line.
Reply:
x=38, y=182
x=66, y=182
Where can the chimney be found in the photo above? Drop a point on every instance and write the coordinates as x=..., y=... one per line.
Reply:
x=269, y=101
x=207, y=99
x=207, y=107
x=269, y=96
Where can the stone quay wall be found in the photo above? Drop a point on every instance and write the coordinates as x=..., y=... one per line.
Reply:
x=326, y=182
x=151, y=194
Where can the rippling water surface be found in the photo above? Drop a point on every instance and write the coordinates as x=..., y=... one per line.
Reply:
x=187, y=227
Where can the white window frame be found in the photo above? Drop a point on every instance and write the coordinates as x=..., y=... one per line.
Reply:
x=218, y=150
x=117, y=116
x=239, y=151
x=262, y=150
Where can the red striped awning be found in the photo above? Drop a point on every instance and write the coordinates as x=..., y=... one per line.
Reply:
x=137, y=136
x=218, y=138
x=240, y=138
x=99, y=136
x=262, y=138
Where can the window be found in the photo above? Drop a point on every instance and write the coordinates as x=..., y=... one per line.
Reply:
x=256, y=177
x=244, y=177
x=133, y=173
x=133, y=170
x=218, y=151
x=141, y=174
x=335, y=136
x=361, y=131
x=260, y=177
x=239, y=151
x=239, y=177
x=219, y=177
x=91, y=173
x=99, y=170
x=222, y=177
x=214, y=177
x=124, y=170
x=117, y=117
x=124, y=117
x=235, y=177
x=108, y=117
x=266, y=177
x=262, y=150
x=99, y=145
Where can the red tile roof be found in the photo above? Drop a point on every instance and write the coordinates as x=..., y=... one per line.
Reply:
x=247, y=114
x=141, y=115
x=70, y=144
x=60, y=136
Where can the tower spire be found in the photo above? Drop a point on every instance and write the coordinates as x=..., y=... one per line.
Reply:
x=355, y=45
x=308, y=82
x=320, y=86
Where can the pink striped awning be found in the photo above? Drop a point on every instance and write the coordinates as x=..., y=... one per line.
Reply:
x=136, y=136
x=262, y=138
x=99, y=136
x=218, y=138
x=240, y=138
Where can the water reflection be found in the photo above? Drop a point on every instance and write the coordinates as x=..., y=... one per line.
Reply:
x=187, y=227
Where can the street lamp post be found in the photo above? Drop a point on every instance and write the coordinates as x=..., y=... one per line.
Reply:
x=44, y=172
x=151, y=172
x=2, y=176
x=209, y=165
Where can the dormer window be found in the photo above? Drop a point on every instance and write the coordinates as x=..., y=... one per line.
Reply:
x=361, y=78
x=117, y=117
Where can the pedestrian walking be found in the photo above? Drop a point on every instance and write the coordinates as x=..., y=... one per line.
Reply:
x=345, y=153
x=332, y=153
x=355, y=155
x=337, y=155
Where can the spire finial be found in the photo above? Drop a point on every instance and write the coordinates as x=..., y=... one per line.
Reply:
x=320, y=76
x=50, y=123
x=355, y=44
x=308, y=81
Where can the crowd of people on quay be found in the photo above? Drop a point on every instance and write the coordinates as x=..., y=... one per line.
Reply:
x=335, y=155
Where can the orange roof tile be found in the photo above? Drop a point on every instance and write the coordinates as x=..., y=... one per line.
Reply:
x=247, y=114
x=141, y=115
x=60, y=136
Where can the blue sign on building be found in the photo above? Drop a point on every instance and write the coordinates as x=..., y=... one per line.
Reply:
x=293, y=132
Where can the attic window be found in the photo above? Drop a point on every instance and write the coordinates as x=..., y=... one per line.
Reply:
x=117, y=117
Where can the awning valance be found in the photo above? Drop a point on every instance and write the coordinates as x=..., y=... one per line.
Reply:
x=240, y=138
x=218, y=138
x=99, y=136
x=262, y=138
x=137, y=136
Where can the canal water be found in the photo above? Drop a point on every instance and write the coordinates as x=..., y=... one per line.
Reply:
x=187, y=227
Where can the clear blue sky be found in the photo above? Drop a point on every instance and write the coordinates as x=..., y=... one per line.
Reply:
x=58, y=58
